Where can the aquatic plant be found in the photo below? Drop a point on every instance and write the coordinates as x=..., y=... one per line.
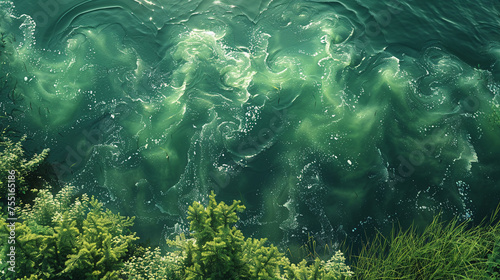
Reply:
x=12, y=157
x=64, y=238
x=450, y=250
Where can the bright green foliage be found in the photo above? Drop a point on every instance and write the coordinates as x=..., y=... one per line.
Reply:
x=494, y=261
x=61, y=239
x=48, y=209
x=217, y=251
x=152, y=265
x=333, y=269
x=303, y=271
x=12, y=158
x=263, y=261
x=443, y=251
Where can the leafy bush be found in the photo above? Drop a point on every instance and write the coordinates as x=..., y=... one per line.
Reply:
x=12, y=158
x=61, y=239
x=216, y=250
x=333, y=269
x=152, y=265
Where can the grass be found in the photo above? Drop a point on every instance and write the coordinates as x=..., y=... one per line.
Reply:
x=443, y=250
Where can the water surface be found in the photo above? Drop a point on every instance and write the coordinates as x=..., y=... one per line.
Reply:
x=328, y=118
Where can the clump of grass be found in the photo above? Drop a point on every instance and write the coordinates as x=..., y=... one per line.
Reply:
x=311, y=250
x=444, y=250
x=494, y=261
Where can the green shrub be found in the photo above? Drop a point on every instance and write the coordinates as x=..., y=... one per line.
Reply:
x=152, y=265
x=333, y=269
x=12, y=158
x=218, y=250
x=62, y=238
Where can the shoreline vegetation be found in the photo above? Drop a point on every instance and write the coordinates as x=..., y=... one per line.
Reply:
x=49, y=232
x=61, y=236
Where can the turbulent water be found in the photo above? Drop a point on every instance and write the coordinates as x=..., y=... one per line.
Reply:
x=326, y=118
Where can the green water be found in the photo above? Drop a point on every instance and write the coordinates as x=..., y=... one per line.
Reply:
x=328, y=118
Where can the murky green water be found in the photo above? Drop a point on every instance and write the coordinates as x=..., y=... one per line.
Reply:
x=326, y=118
